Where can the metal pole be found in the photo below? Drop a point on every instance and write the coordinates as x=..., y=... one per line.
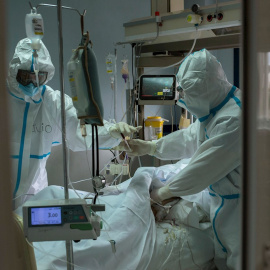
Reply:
x=49, y=5
x=115, y=84
x=128, y=104
x=69, y=247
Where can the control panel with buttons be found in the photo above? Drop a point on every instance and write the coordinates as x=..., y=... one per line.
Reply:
x=53, y=220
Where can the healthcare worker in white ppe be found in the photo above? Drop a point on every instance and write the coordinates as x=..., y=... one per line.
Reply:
x=213, y=143
x=36, y=121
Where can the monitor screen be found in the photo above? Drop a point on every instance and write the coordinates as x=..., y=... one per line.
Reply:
x=157, y=87
x=45, y=216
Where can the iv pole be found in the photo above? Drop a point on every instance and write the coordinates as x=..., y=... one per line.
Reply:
x=69, y=246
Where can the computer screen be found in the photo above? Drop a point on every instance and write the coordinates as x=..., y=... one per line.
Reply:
x=157, y=87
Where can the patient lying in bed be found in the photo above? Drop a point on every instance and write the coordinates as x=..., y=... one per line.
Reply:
x=183, y=240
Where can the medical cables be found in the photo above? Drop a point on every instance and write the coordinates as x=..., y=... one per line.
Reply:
x=113, y=158
x=68, y=155
x=165, y=207
x=112, y=242
x=49, y=254
x=88, y=179
x=25, y=194
x=114, y=181
x=172, y=236
x=85, y=197
x=182, y=60
x=186, y=232
x=95, y=173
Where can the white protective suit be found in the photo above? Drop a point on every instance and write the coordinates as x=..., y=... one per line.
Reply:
x=214, y=143
x=36, y=124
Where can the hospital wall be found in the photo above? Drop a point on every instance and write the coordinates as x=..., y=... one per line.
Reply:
x=104, y=21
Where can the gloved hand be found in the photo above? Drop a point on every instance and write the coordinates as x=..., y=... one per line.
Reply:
x=121, y=127
x=160, y=194
x=138, y=147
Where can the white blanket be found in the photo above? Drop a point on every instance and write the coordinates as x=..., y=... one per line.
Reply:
x=140, y=242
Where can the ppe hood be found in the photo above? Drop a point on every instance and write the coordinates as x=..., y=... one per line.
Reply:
x=204, y=83
x=23, y=59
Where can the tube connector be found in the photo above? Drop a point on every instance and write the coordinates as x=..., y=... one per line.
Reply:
x=113, y=245
x=158, y=17
x=35, y=44
x=83, y=128
x=195, y=19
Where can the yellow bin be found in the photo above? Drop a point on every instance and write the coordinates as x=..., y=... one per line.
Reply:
x=153, y=128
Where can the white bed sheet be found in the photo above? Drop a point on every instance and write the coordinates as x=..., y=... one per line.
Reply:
x=141, y=243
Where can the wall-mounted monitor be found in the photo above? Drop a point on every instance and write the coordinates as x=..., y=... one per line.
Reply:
x=157, y=87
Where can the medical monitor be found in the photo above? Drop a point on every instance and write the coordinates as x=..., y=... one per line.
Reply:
x=157, y=87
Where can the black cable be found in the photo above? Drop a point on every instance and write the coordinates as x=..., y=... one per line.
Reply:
x=93, y=163
x=93, y=152
x=95, y=198
x=97, y=154
x=112, y=153
x=114, y=159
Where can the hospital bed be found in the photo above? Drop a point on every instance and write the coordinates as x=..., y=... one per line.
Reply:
x=183, y=240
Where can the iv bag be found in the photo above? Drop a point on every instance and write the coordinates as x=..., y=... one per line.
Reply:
x=34, y=28
x=84, y=83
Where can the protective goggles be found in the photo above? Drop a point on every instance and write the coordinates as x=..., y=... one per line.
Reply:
x=25, y=77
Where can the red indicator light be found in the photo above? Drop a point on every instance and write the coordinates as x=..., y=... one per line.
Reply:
x=220, y=16
x=209, y=18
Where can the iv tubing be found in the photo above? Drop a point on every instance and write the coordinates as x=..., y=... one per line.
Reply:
x=182, y=60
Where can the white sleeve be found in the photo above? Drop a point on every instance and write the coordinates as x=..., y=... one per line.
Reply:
x=178, y=145
x=75, y=141
x=214, y=159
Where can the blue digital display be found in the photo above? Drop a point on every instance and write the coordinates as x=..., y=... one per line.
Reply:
x=46, y=216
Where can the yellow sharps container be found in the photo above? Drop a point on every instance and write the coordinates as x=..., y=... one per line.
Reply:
x=153, y=128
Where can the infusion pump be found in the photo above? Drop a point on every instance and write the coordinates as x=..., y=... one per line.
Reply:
x=55, y=220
